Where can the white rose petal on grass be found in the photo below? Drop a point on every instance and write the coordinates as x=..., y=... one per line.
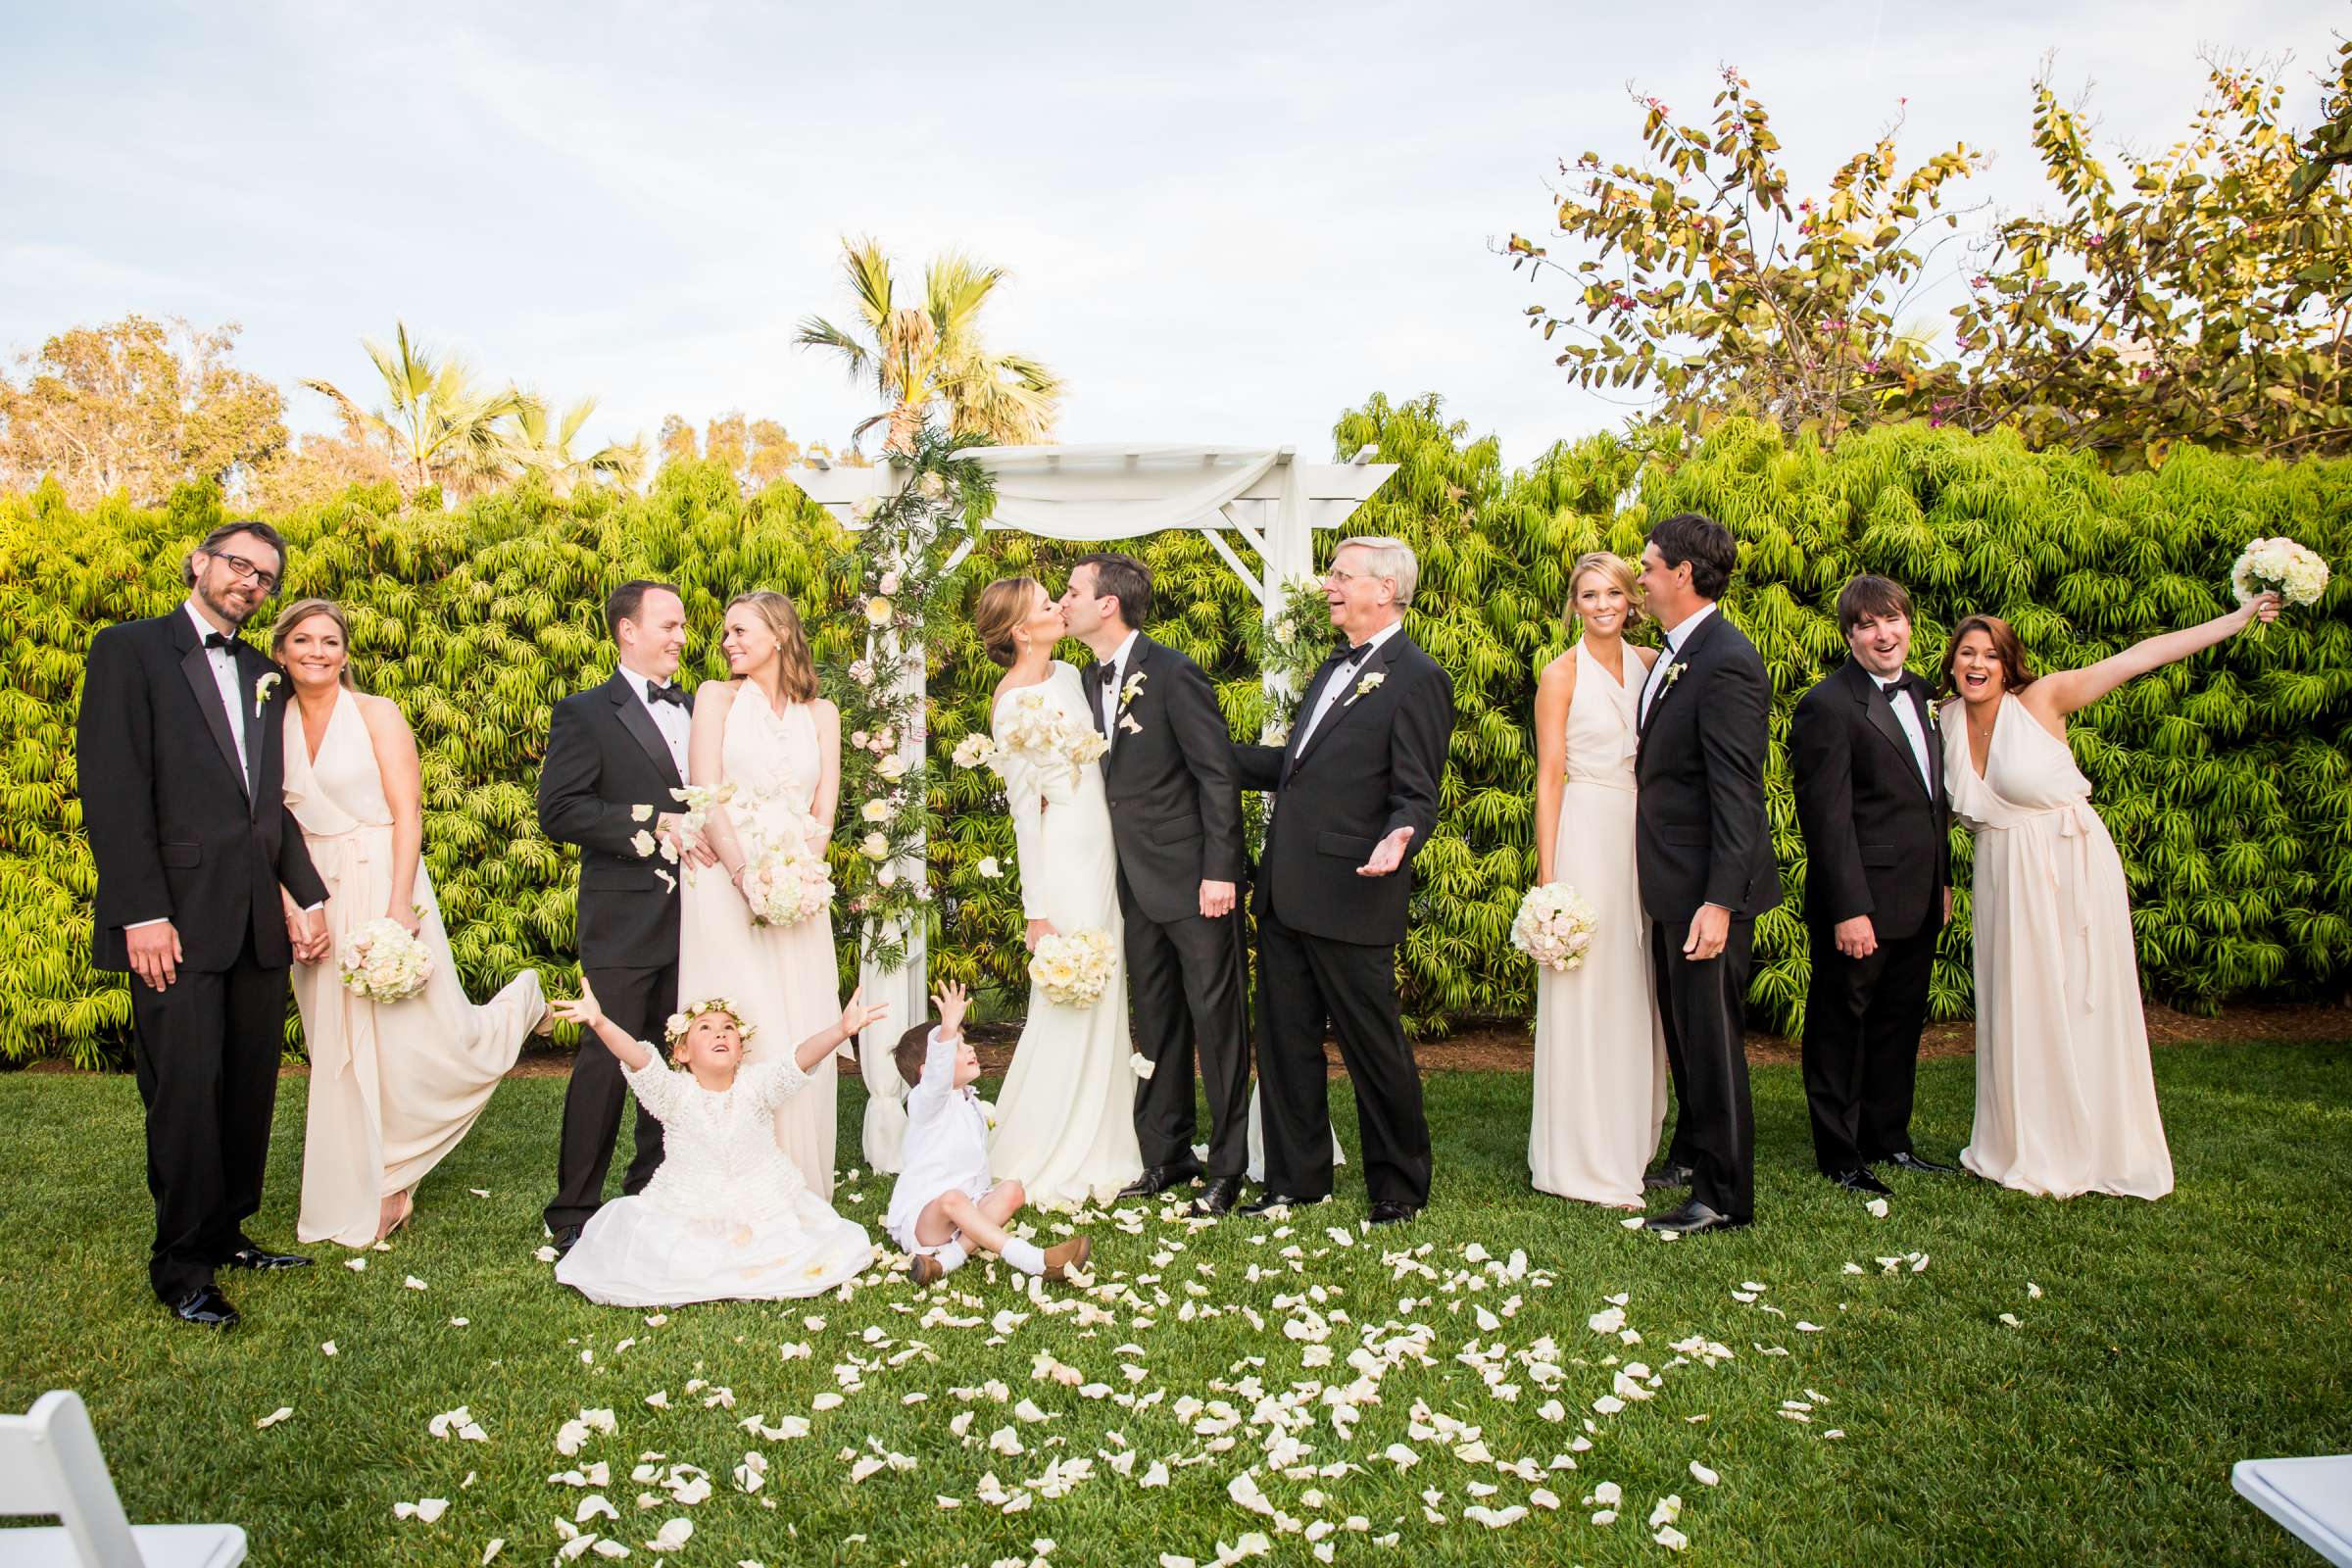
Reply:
x=673, y=1536
x=659, y=1398
x=1703, y=1475
x=1667, y=1510
x=358, y=1265
x=327, y=1348
x=425, y=1510
x=1671, y=1539
x=1876, y=1208
x=546, y=1255
x=1633, y=1222
x=498, y=1544
x=1496, y=1518
x=281, y=1413
x=2011, y=1318
x=480, y=1192
x=412, y=1283
x=2032, y=1291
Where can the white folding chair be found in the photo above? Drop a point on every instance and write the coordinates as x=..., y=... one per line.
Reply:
x=2310, y=1498
x=50, y=1463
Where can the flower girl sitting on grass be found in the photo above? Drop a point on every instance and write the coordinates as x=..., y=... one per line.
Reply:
x=728, y=1215
x=944, y=1197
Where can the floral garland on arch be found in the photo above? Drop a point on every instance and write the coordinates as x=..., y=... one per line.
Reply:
x=1291, y=645
x=940, y=497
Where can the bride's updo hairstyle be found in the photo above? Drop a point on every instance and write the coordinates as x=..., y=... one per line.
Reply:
x=795, y=668
x=1003, y=606
x=1608, y=564
x=302, y=609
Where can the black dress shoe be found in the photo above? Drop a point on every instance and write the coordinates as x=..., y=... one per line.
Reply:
x=205, y=1305
x=1691, y=1218
x=567, y=1238
x=1859, y=1180
x=1665, y=1176
x=1223, y=1192
x=1157, y=1179
x=1907, y=1160
x=1268, y=1202
x=1393, y=1214
x=260, y=1259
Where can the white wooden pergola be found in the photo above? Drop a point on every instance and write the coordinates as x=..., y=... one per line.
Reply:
x=1259, y=507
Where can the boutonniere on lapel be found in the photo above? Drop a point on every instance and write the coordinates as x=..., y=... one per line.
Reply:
x=1367, y=687
x=262, y=690
x=1934, y=715
x=1674, y=672
x=1129, y=691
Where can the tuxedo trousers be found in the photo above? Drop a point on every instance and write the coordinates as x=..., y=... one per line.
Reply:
x=640, y=1002
x=205, y=1050
x=1186, y=994
x=1863, y=1018
x=1701, y=1004
x=1304, y=984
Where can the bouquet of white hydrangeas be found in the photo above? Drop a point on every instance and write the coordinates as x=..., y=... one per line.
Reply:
x=1072, y=969
x=1041, y=734
x=1554, y=926
x=382, y=962
x=2282, y=566
x=787, y=882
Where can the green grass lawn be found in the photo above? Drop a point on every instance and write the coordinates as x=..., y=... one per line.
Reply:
x=2168, y=1340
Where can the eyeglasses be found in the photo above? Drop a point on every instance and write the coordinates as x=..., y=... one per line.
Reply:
x=247, y=571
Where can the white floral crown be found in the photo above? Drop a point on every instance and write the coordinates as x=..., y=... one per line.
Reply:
x=679, y=1022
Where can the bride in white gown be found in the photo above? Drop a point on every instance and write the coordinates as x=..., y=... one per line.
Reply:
x=1066, y=1118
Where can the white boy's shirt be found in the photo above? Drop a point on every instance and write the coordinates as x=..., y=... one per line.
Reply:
x=946, y=1142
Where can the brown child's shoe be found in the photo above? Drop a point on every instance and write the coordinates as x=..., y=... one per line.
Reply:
x=1070, y=1254
x=925, y=1270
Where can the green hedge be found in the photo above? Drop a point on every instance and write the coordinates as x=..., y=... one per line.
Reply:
x=2225, y=780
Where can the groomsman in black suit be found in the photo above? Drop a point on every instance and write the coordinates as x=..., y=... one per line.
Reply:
x=180, y=751
x=1176, y=818
x=1703, y=856
x=1354, y=798
x=616, y=754
x=1877, y=819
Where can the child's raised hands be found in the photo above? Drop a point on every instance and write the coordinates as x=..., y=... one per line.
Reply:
x=583, y=1011
x=857, y=1014
x=951, y=1000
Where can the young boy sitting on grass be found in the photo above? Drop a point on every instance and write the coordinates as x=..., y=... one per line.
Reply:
x=946, y=1201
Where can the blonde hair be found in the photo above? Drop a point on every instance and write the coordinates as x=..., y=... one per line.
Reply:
x=1392, y=559
x=796, y=669
x=302, y=609
x=1003, y=605
x=1613, y=566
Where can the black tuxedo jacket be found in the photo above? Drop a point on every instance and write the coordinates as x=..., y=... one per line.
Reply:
x=177, y=832
x=605, y=758
x=1877, y=836
x=1175, y=800
x=1372, y=766
x=1699, y=834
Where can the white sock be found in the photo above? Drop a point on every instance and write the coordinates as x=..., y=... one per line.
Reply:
x=951, y=1258
x=1025, y=1256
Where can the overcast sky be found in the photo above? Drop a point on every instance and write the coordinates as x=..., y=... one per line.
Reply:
x=1225, y=223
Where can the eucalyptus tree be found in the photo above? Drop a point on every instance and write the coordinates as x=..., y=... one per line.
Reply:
x=928, y=353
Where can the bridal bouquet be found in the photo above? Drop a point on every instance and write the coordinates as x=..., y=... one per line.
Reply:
x=1072, y=969
x=787, y=882
x=1554, y=926
x=1038, y=732
x=2282, y=566
x=382, y=962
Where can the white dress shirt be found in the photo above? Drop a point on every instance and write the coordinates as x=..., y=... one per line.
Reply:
x=1341, y=686
x=947, y=1143
x=671, y=719
x=232, y=690
x=1110, y=688
x=1673, y=646
x=1906, y=714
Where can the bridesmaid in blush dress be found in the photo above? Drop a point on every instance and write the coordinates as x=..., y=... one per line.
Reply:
x=768, y=734
x=1600, y=1049
x=394, y=1086
x=2065, y=1097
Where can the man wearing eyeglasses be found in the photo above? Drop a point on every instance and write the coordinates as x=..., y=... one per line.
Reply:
x=181, y=757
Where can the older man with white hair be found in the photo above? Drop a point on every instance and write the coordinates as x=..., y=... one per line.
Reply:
x=1355, y=796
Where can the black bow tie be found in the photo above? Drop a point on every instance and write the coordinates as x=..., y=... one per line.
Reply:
x=219, y=639
x=1352, y=656
x=665, y=694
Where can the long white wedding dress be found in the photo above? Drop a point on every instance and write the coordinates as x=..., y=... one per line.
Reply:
x=1066, y=1118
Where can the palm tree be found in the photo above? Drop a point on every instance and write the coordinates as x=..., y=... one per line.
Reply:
x=439, y=427
x=546, y=448
x=930, y=352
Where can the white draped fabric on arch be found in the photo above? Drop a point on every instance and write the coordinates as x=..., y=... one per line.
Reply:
x=1261, y=501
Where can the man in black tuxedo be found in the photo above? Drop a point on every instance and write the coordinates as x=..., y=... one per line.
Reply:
x=1176, y=819
x=1354, y=798
x=1871, y=798
x=180, y=751
x=1703, y=856
x=616, y=754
